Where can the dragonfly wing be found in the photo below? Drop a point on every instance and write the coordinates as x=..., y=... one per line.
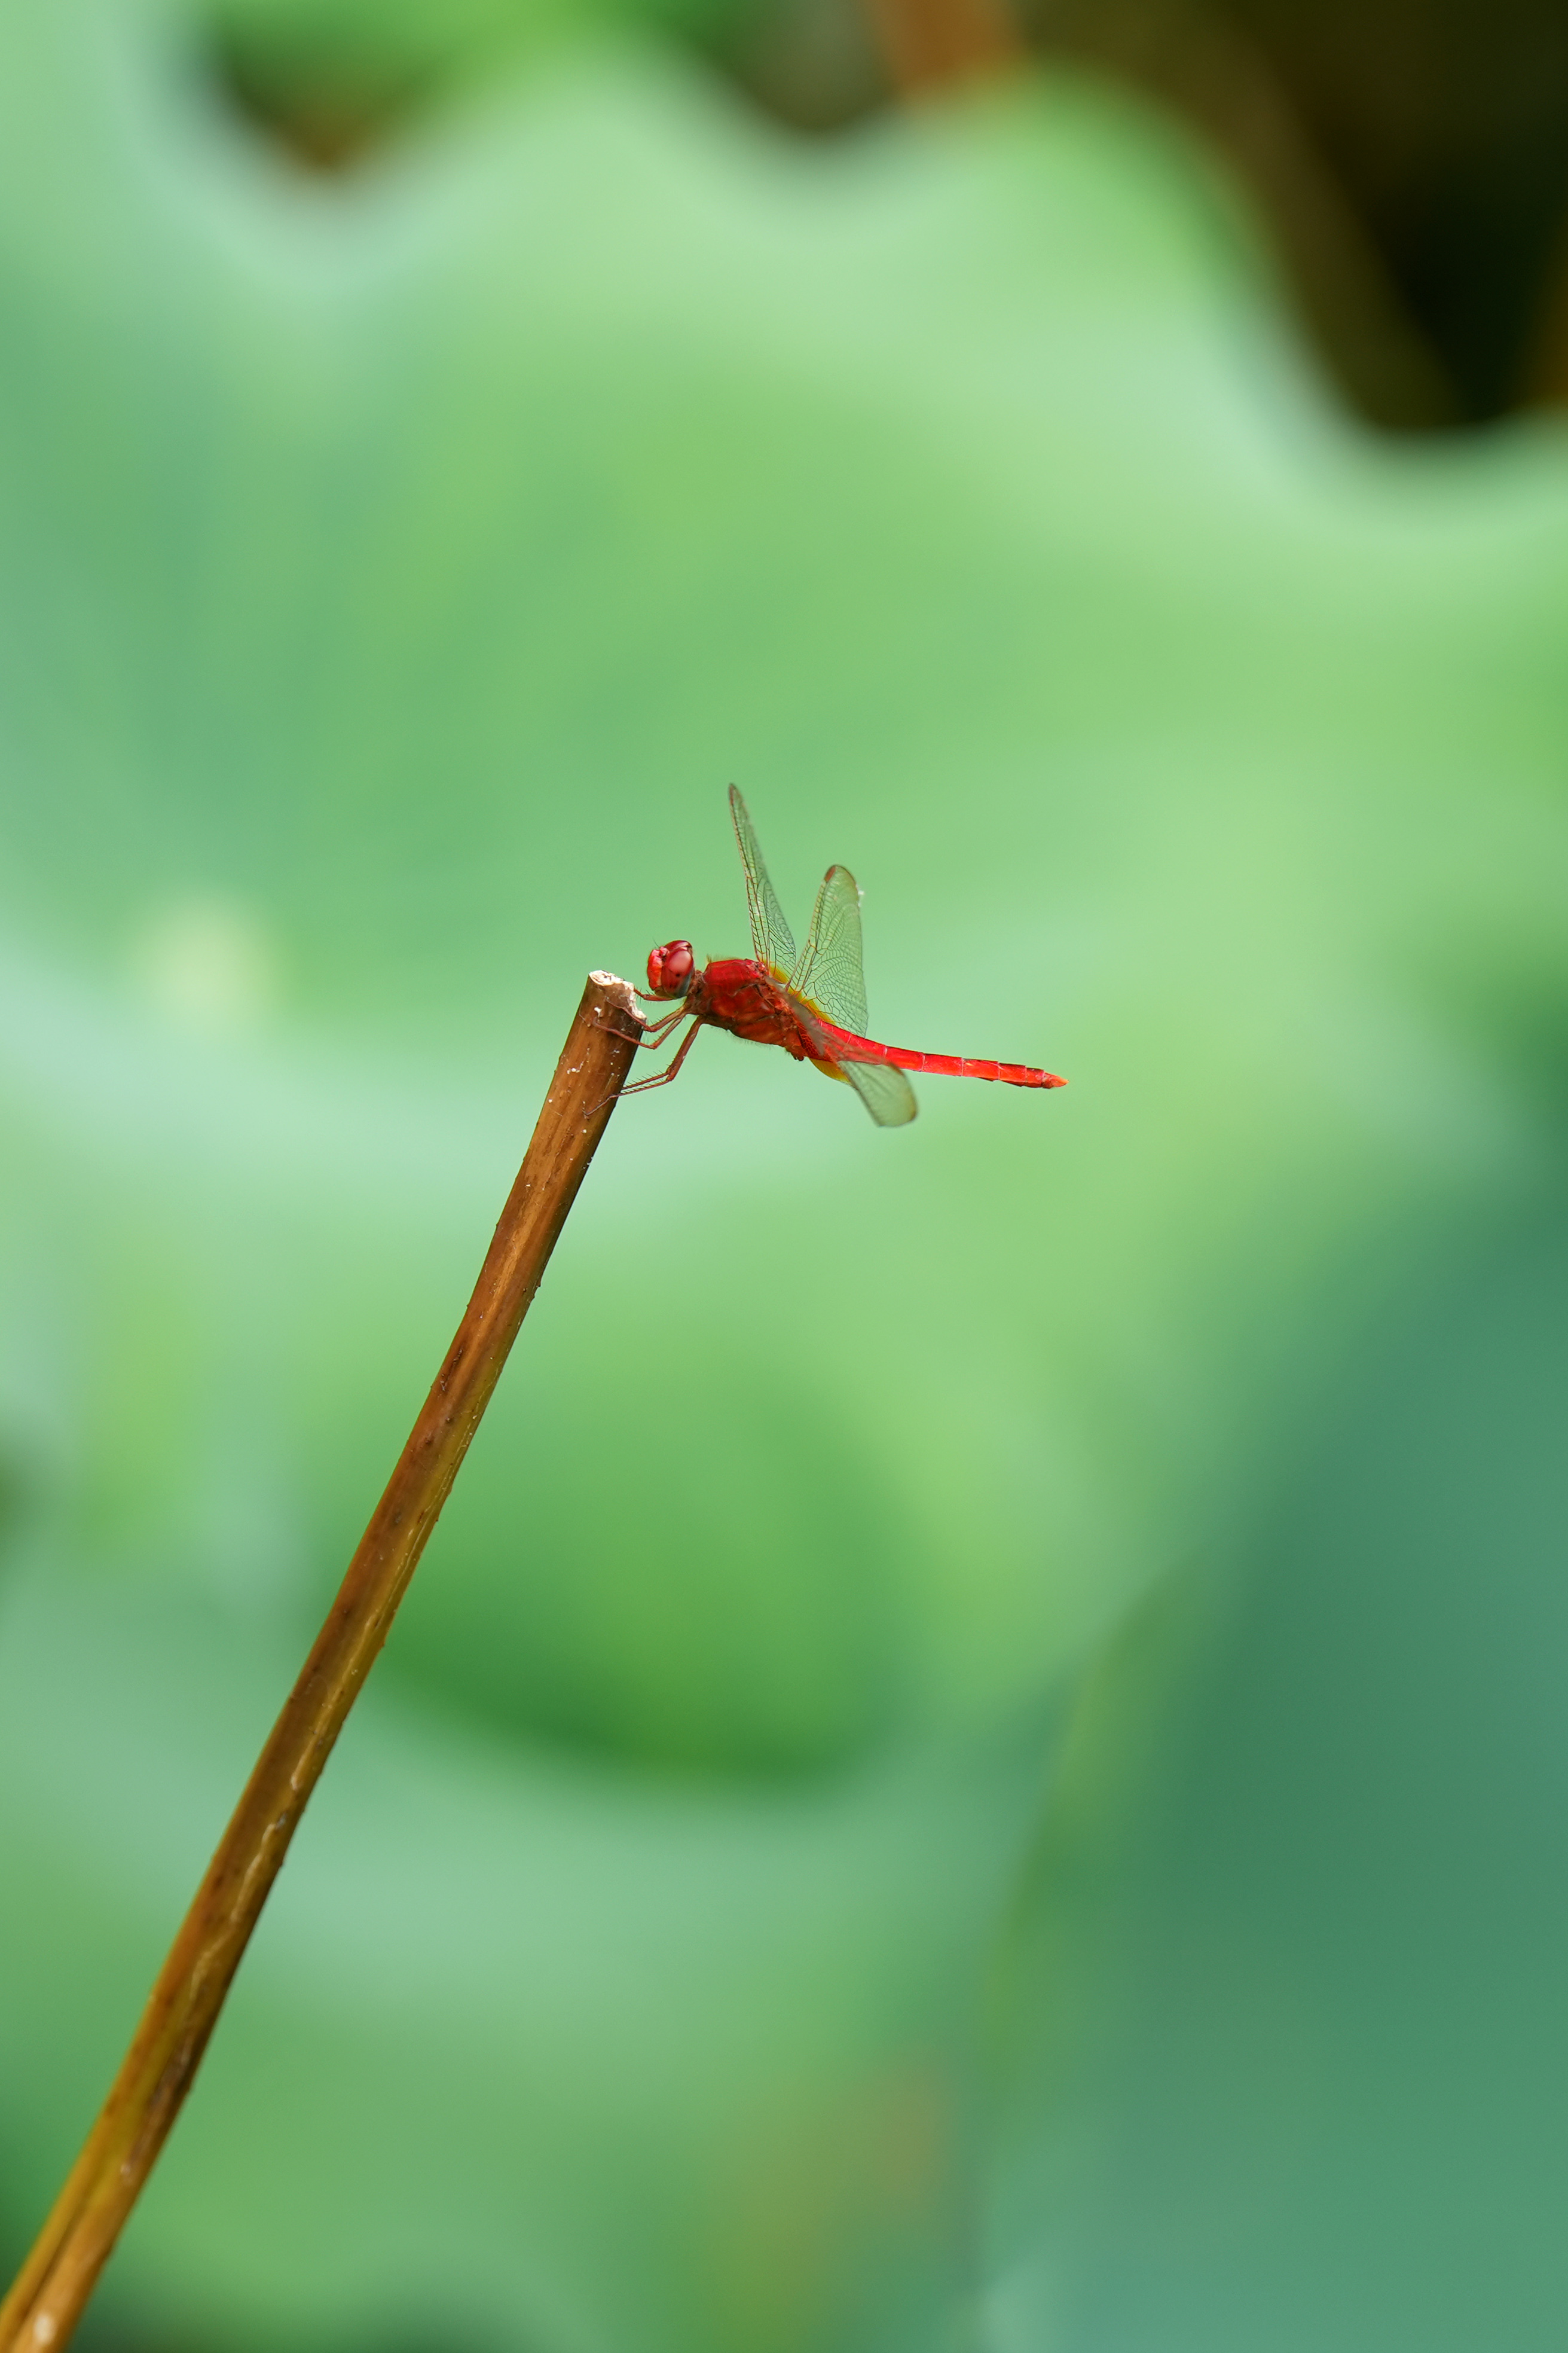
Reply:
x=885, y=1092
x=830, y=978
x=830, y=973
x=773, y=942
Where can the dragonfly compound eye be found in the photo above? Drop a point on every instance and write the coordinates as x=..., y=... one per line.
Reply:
x=671, y=967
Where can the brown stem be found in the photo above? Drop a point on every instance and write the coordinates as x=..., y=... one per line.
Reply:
x=48, y=2295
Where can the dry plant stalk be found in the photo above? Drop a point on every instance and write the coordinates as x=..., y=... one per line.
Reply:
x=55, y=2282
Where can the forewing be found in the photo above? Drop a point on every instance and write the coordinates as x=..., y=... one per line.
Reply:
x=885, y=1092
x=773, y=942
x=830, y=973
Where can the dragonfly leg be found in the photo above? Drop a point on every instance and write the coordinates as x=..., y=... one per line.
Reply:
x=657, y=1031
x=665, y=1077
x=654, y=1035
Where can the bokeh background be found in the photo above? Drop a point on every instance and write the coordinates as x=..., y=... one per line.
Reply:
x=978, y=1764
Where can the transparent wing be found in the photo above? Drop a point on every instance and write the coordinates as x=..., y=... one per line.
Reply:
x=830, y=976
x=830, y=973
x=773, y=942
x=885, y=1092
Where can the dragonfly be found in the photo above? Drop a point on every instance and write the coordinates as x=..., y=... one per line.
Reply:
x=812, y=1004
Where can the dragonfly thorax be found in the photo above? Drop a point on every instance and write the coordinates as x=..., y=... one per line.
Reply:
x=669, y=969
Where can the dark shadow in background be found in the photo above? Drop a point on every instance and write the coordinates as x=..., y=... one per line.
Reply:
x=1409, y=158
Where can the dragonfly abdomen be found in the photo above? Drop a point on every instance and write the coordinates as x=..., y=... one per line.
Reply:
x=851, y=1049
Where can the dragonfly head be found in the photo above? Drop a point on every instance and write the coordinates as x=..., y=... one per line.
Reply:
x=669, y=969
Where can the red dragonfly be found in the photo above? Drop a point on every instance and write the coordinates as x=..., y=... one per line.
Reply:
x=813, y=1004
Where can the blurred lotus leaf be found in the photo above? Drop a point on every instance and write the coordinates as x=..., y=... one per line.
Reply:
x=921, y=1791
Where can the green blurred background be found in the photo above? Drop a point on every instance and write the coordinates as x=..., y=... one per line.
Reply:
x=978, y=1763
